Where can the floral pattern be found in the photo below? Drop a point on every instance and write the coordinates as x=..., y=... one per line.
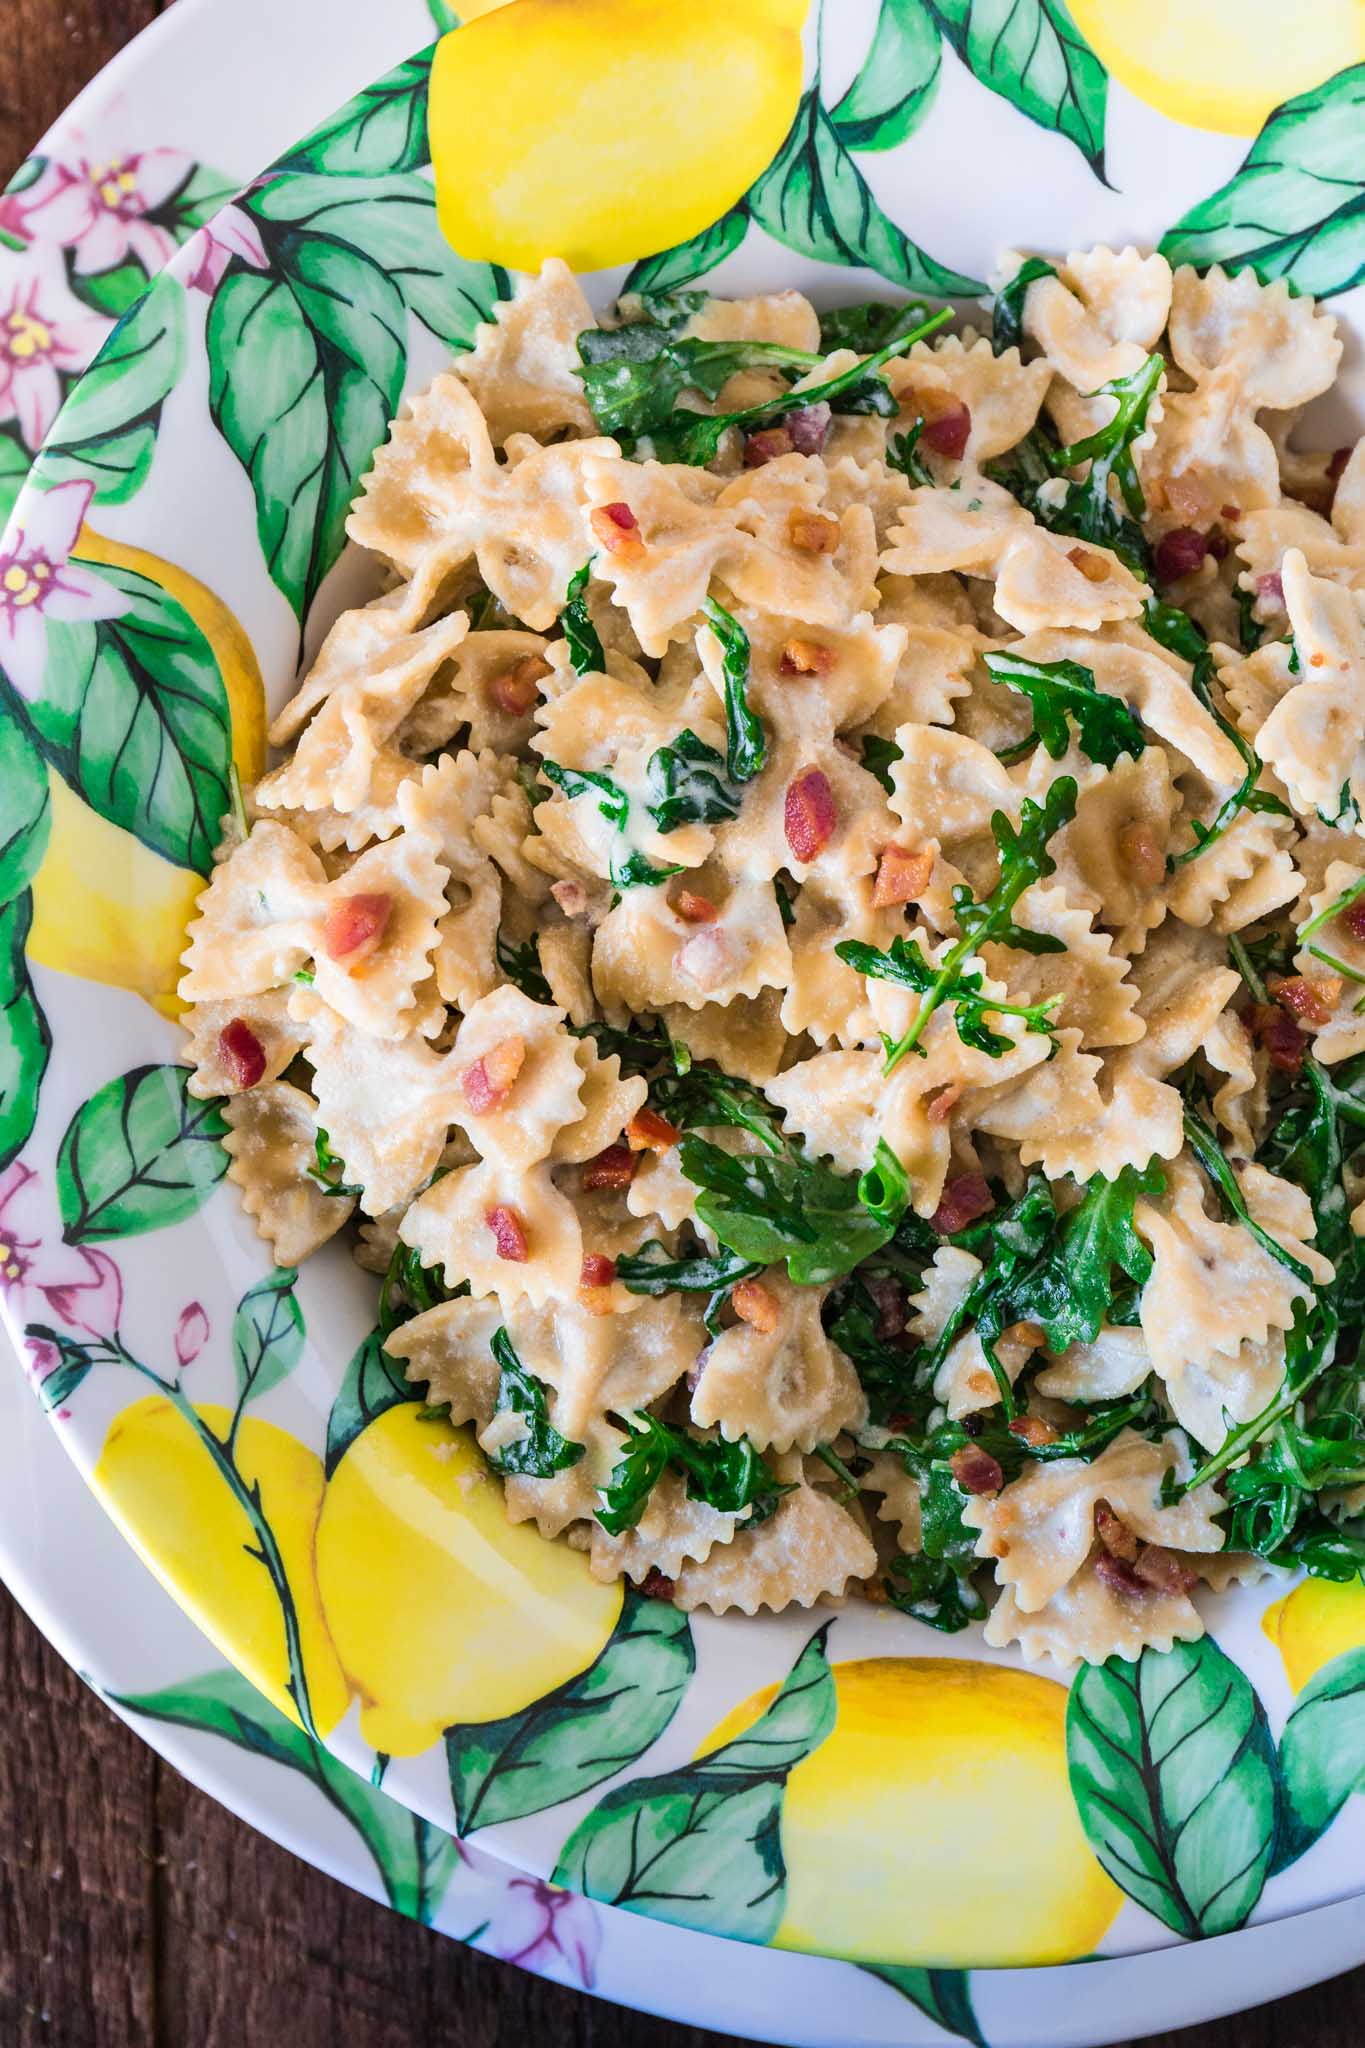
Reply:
x=40, y=582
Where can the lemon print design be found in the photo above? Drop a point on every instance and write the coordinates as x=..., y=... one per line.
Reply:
x=1222, y=64
x=935, y=1822
x=105, y=906
x=589, y=156
x=162, y=1486
x=1315, y=1623
x=441, y=1609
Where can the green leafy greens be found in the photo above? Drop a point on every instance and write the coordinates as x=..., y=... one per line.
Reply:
x=683, y=786
x=1062, y=691
x=746, y=747
x=791, y=1208
x=541, y=1451
x=730, y=1477
x=630, y=869
x=585, y=648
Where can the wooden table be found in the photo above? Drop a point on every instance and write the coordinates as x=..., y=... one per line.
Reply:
x=134, y=1913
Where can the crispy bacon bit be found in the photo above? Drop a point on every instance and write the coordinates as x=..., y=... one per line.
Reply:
x=693, y=909
x=949, y=430
x=1164, y=1571
x=1232, y=513
x=809, y=428
x=571, y=897
x=1032, y=1429
x=509, y=1233
x=618, y=530
x=1114, y=1533
x=594, y=1279
x=756, y=1305
x=518, y=688
x=812, y=532
x=1179, y=553
x=1187, y=497
x=1311, y=998
x=766, y=445
x=964, y=1199
x=647, y=1131
x=1032, y=1335
x=941, y=1104
x=241, y=1052
x=1141, y=854
x=889, y=1299
x=1119, y=1576
x=975, y=1470
x=1319, y=660
x=1281, y=1037
x=354, y=927
x=655, y=1585
x=1093, y=567
x=487, y=1081
x=902, y=876
x=809, y=814
x=1353, y=917
x=614, y=1168
x=805, y=658
x=874, y=1590
x=1270, y=591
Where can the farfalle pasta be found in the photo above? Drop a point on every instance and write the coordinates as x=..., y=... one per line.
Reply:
x=813, y=933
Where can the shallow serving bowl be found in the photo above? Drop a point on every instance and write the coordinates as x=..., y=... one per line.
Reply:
x=922, y=1804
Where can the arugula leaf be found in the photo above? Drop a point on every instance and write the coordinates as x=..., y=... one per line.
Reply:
x=542, y=1451
x=633, y=376
x=1176, y=631
x=868, y=326
x=1024, y=859
x=1212, y=1158
x=672, y=310
x=888, y=1373
x=1310, y=1350
x=902, y=453
x=789, y=1208
x=421, y=1287
x=730, y=1477
x=705, y=1096
x=328, y=1171
x=1088, y=508
x=633, y=870
x=941, y=1594
x=1070, y=1287
x=879, y=757
x=654, y=1271
x=746, y=747
x=1062, y=690
x=585, y=648
x=695, y=438
x=1007, y=316
x=521, y=965
x=640, y=1049
x=683, y=788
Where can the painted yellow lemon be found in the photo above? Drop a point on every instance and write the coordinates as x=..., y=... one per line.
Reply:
x=441, y=1609
x=1221, y=64
x=1314, y=1624
x=161, y=1485
x=633, y=124
x=104, y=905
x=937, y=1816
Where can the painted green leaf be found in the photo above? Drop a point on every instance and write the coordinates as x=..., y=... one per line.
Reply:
x=15, y=463
x=267, y=1335
x=25, y=811
x=1322, y=1754
x=134, y=716
x=702, y=1845
x=56, y=1388
x=24, y=1037
x=813, y=198
x=204, y=193
x=895, y=87
x=140, y=1154
x=443, y=15
x=673, y=268
x=106, y=431
x=415, y=1860
x=1032, y=53
x=944, y=1995
x=384, y=128
x=306, y=369
x=584, y=1731
x=371, y=1384
x=393, y=222
x=1173, y=1773
x=114, y=291
x=1296, y=206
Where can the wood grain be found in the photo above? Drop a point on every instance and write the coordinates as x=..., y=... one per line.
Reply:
x=135, y=1913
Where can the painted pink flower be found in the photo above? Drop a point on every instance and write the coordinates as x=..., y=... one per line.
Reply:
x=91, y=1303
x=19, y=1239
x=44, y=330
x=98, y=208
x=211, y=248
x=191, y=1334
x=545, y=1929
x=39, y=582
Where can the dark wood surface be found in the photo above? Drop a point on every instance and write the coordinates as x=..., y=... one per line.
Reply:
x=134, y=1913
